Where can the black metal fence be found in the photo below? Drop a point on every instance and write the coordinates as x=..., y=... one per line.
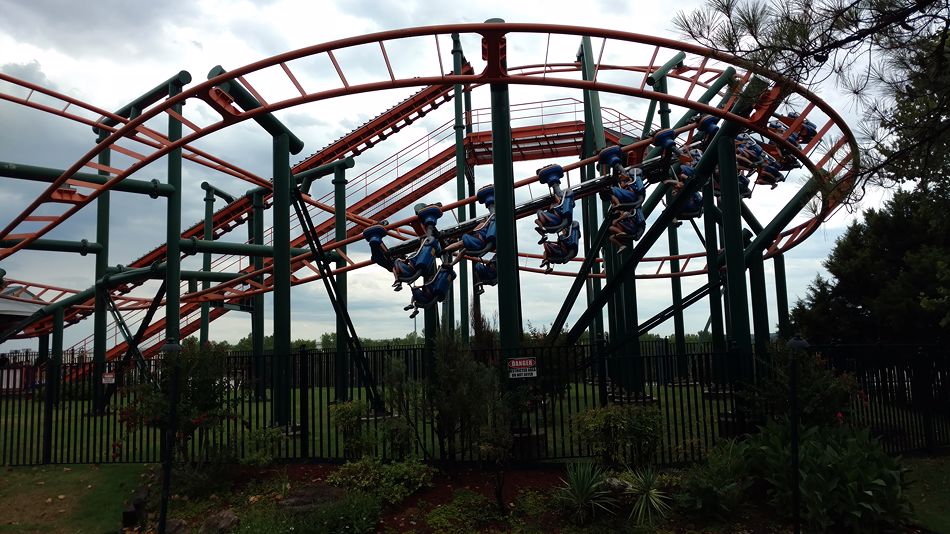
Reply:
x=47, y=412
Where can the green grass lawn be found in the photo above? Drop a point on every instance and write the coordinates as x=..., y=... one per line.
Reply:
x=77, y=499
x=930, y=491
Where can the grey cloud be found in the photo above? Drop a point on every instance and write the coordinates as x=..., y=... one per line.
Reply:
x=87, y=28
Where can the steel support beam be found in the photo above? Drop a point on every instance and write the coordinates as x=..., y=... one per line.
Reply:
x=710, y=229
x=256, y=231
x=282, y=359
x=196, y=246
x=460, y=180
x=342, y=362
x=739, y=337
x=81, y=247
x=100, y=312
x=152, y=188
x=760, y=310
x=672, y=233
x=781, y=297
x=506, y=243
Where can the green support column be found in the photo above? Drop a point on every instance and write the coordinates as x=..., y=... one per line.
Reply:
x=593, y=142
x=282, y=360
x=760, y=310
x=173, y=226
x=712, y=271
x=509, y=285
x=257, y=314
x=634, y=383
x=52, y=382
x=206, y=265
x=735, y=262
x=430, y=322
x=676, y=284
x=781, y=297
x=460, y=179
x=101, y=314
x=42, y=349
x=342, y=362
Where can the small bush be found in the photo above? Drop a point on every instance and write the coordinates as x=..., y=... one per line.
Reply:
x=390, y=482
x=348, y=419
x=617, y=433
x=824, y=395
x=650, y=501
x=467, y=512
x=264, y=446
x=848, y=483
x=717, y=488
x=585, y=492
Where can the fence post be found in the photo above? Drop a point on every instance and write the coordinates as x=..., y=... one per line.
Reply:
x=601, y=355
x=304, y=374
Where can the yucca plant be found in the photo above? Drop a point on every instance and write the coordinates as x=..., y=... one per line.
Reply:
x=650, y=502
x=585, y=492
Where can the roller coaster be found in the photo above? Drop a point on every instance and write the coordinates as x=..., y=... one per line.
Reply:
x=743, y=131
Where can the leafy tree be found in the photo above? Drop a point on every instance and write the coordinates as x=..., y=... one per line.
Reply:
x=890, y=276
x=889, y=56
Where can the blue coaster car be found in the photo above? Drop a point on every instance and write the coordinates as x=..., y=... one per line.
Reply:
x=422, y=263
x=807, y=131
x=429, y=216
x=744, y=190
x=770, y=173
x=486, y=274
x=628, y=227
x=433, y=291
x=708, y=125
x=482, y=240
x=693, y=208
x=749, y=154
x=665, y=139
x=379, y=253
x=550, y=174
x=558, y=217
x=564, y=249
x=631, y=192
x=610, y=158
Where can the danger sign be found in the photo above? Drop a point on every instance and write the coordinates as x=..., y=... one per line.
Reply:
x=108, y=378
x=522, y=368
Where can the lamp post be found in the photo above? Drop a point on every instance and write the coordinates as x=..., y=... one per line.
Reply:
x=171, y=351
x=795, y=346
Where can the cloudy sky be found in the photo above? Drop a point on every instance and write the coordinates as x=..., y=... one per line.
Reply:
x=109, y=52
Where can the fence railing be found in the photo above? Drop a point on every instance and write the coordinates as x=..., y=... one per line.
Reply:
x=47, y=413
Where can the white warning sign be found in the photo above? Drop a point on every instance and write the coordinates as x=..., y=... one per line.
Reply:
x=522, y=368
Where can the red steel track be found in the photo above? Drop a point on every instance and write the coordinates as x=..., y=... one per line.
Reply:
x=834, y=162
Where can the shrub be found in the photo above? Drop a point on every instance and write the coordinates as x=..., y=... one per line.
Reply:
x=263, y=446
x=614, y=430
x=848, y=483
x=390, y=482
x=206, y=398
x=585, y=492
x=348, y=420
x=717, y=488
x=824, y=395
x=650, y=501
x=467, y=512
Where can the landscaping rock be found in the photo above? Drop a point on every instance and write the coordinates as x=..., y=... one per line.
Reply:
x=221, y=522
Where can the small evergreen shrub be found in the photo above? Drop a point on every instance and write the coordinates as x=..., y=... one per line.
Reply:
x=618, y=433
x=391, y=482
